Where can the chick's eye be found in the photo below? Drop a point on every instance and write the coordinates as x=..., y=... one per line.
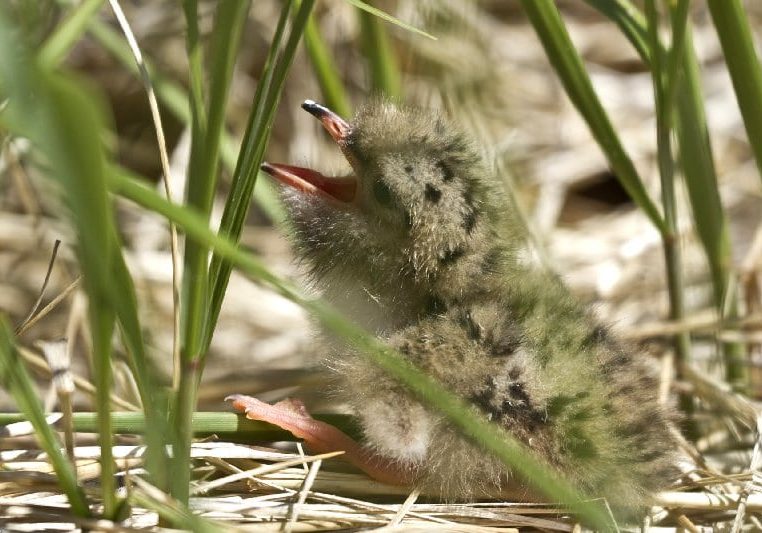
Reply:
x=382, y=193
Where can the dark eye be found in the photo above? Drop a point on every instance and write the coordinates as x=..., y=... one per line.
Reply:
x=382, y=193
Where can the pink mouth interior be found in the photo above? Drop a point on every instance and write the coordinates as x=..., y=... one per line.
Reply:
x=307, y=180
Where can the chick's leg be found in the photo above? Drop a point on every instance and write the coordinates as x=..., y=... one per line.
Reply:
x=321, y=437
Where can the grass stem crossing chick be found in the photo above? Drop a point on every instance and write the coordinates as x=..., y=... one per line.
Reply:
x=420, y=247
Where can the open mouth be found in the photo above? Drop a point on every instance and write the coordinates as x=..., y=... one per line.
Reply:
x=341, y=189
x=312, y=181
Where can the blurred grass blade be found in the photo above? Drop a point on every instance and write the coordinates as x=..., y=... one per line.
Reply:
x=359, y=4
x=496, y=441
x=18, y=383
x=46, y=108
x=152, y=396
x=173, y=96
x=252, y=151
x=547, y=22
x=380, y=56
x=693, y=134
x=67, y=33
x=331, y=86
x=630, y=20
x=743, y=65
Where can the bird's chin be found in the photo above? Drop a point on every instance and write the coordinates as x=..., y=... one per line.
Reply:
x=316, y=220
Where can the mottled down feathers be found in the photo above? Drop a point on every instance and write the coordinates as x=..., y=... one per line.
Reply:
x=426, y=257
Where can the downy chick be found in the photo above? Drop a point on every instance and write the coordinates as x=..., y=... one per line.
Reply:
x=419, y=246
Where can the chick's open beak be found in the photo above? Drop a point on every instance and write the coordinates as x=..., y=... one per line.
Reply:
x=311, y=181
x=342, y=189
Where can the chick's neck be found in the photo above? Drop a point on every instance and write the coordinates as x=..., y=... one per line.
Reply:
x=384, y=290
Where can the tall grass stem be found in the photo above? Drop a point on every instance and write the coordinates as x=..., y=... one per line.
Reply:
x=546, y=20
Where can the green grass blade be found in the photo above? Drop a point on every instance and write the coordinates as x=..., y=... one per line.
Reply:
x=202, y=179
x=174, y=97
x=359, y=4
x=16, y=380
x=207, y=127
x=547, y=22
x=226, y=37
x=225, y=425
x=696, y=153
x=487, y=435
x=630, y=20
x=46, y=109
x=699, y=169
x=244, y=164
x=679, y=18
x=193, y=285
x=709, y=217
x=67, y=33
x=666, y=163
x=193, y=292
x=252, y=151
x=195, y=64
x=331, y=86
x=265, y=194
x=199, y=194
x=126, y=306
x=244, y=176
x=664, y=148
x=152, y=396
x=102, y=319
x=737, y=44
x=382, y=62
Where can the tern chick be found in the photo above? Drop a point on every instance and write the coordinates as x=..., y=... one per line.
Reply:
x=420, y=246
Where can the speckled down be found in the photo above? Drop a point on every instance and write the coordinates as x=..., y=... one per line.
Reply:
x=427, y=259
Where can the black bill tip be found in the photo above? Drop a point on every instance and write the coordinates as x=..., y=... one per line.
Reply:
x=315, y=109
x=336, y=126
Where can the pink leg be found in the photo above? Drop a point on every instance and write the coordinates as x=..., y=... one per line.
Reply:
x=291, y=414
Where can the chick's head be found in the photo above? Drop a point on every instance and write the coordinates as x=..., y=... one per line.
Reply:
x=418, y=199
